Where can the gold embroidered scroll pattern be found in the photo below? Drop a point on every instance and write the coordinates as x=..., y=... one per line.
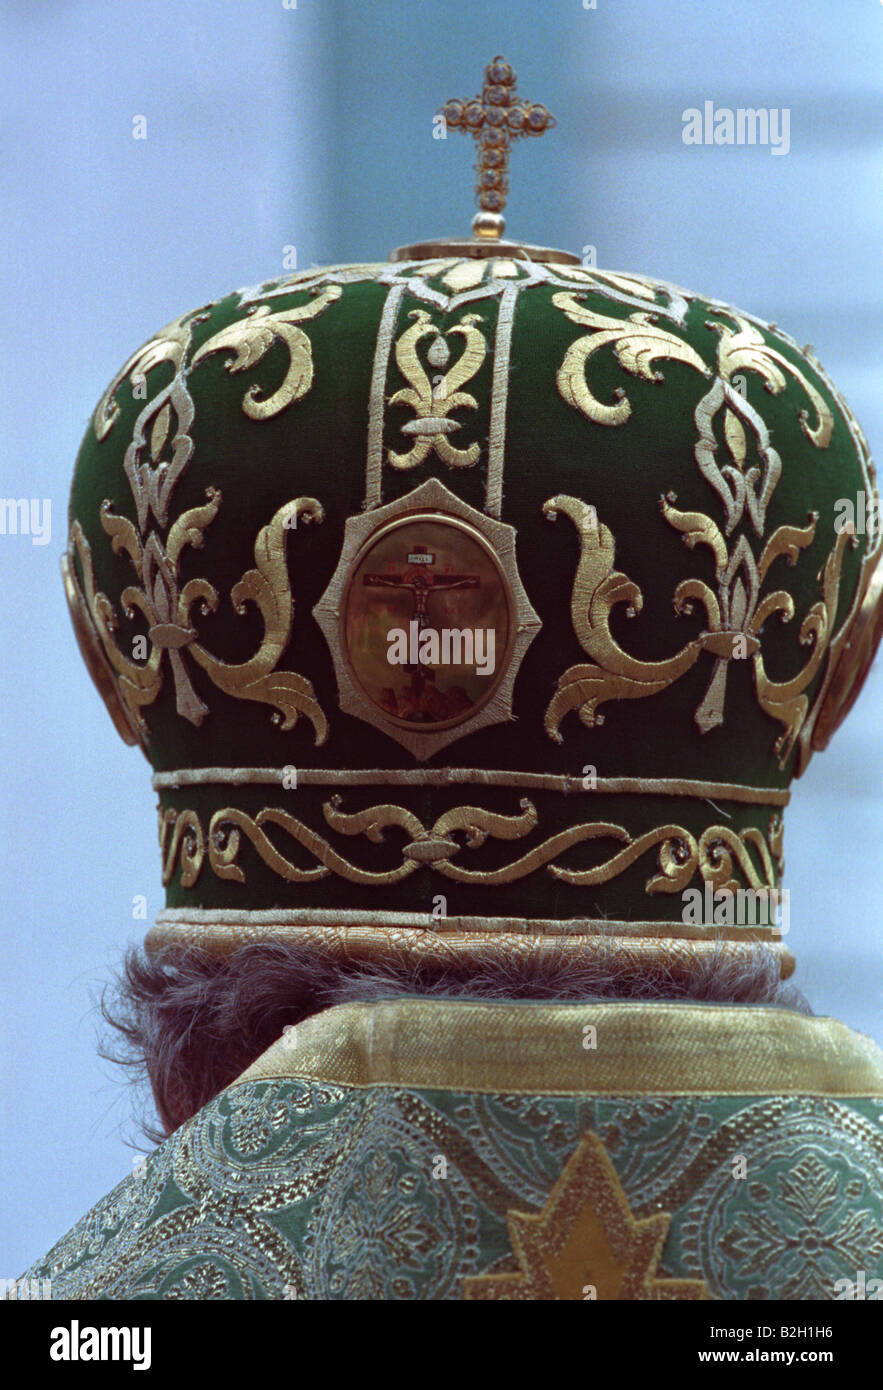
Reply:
x=169, y=345
x=433, y=400
x=250, y=339
x=181, y=837
x=166, y=607
x=164, y=421
x=747, y=350
x=715, y=855
x=160, y=450
x=597, y=587
x=785, y=700
x=735, y=614
x=737, y=611
x=748, y=489
x=637, y=342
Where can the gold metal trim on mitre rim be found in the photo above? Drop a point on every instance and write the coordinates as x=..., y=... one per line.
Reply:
x=219, y=933
x=93, y=656
x=482, y=248
x=566, y=783
x=854, y=662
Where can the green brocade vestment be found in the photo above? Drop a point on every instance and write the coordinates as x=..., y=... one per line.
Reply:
x=441, y=1149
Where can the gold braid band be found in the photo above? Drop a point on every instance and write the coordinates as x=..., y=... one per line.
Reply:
x=676, y=957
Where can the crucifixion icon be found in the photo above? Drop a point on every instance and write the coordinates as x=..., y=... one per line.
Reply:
x=422, y=583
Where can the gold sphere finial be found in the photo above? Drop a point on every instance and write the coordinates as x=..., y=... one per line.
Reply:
x=494, y=120
x=490, y=226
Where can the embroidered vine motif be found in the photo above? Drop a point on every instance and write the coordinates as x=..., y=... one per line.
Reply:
x=166, y=606
x=716, y=854
x=251, y=338
x=638, y=342
x=159, y=453
x=737, y=611
x=169, y=345
x=432, y=401
x=152, y=486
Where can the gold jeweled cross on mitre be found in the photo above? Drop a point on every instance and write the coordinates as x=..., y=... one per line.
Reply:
x=494, y=120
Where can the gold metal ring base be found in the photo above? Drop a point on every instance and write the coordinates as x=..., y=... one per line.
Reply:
x=481, y=248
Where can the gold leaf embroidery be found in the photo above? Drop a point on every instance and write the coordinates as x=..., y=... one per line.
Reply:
x=746, y=350
x=169, y=345
x=736, y=488
x=163, y=426
x=714, y=855
x=269, y=589
x=138, y=685
x=187, y=841
x=735, y=617
x=637, y=341
x=251, y=338
x=166, y=610
x=433, y=402
x=737, y=612
x=785, y=700
x=597, y=587
x=224, y=843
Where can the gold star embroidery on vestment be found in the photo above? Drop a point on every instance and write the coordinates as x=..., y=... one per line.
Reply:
x=586, y=1243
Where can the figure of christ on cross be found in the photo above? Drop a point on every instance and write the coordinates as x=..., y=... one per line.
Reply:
x=421, y=703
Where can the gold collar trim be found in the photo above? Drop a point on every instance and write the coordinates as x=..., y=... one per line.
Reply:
x=612, y=1048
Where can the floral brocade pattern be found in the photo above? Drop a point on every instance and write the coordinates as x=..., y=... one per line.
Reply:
x=293, y=1189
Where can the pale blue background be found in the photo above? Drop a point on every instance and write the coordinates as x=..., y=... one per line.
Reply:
x=312, y=127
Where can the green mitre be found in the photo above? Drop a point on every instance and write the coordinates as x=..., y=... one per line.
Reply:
x=631, y=492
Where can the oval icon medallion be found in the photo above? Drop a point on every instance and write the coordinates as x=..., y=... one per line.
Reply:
x=427, y=621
